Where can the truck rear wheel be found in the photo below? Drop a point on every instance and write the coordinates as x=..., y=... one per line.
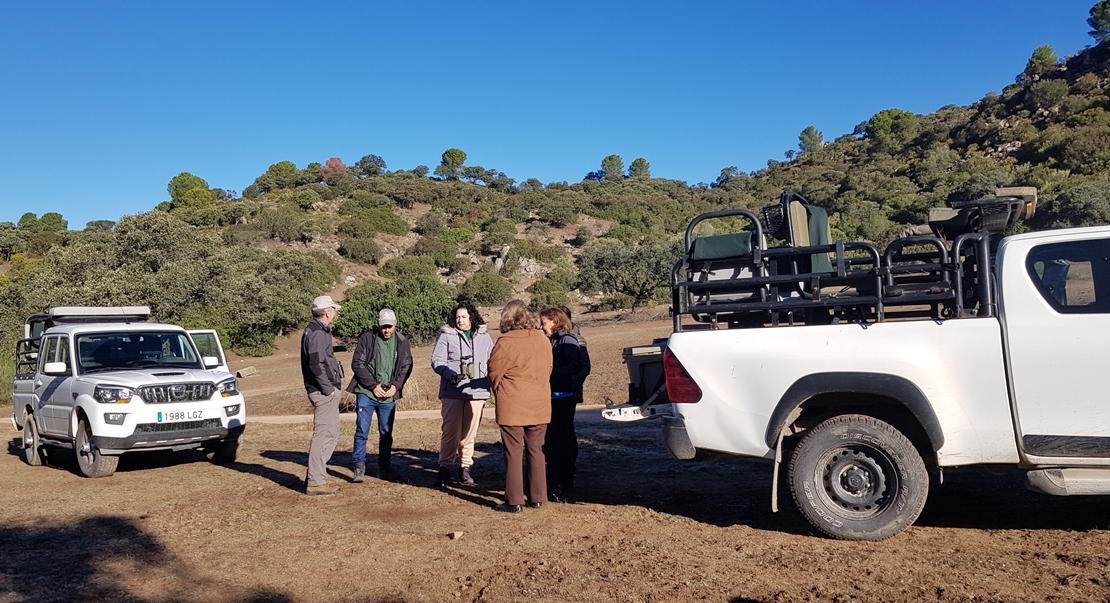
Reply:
x=32, y=448
x=857, y=478
x=89, y=458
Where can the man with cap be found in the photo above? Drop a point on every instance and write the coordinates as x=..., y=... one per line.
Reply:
x=323, y=380
x=382, y=363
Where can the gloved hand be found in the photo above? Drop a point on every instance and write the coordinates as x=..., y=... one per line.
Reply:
x=457, y=378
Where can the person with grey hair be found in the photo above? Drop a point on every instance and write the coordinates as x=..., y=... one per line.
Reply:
x=382, y=364
x=323, y=380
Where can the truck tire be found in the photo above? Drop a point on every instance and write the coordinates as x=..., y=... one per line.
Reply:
x=224, y=451
x=89, y=458
x=855, y=477
x=32, y=447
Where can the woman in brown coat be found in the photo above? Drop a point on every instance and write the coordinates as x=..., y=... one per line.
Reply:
x=519, y=372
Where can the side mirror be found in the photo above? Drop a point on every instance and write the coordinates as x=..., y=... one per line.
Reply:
x=210, y=362
x=55, y=368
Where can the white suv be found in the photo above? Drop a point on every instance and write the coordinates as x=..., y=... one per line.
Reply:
x=105, y=388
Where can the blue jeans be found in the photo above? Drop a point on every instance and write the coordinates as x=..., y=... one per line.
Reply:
x=367, y=407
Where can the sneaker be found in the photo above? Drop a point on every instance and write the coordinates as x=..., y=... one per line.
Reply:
x=534, y=505
x=464, y=476
x=323, y=490
x=507, y=508
x=444, y=477
x=360, y=473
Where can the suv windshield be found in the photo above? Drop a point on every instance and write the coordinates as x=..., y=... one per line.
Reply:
x=98, y=352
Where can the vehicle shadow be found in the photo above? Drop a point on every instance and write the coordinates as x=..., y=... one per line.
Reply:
x=68, y=562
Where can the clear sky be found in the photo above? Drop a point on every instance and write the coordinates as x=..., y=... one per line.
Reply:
x=101, y=103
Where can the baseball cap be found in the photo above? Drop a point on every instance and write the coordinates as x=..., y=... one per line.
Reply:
x=387, y=317
x=323, y=303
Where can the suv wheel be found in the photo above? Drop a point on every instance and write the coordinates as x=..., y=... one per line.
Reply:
x=224, y=451
x=32, y=448
x=857, y=478
x=89, y=459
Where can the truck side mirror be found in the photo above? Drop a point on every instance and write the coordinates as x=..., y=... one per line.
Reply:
x=55, y=368
x=210, y=362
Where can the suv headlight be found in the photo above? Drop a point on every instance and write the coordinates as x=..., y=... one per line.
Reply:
x=112, y=394
x=228, y=388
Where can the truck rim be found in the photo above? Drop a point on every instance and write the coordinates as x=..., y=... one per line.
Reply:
x=857, y=481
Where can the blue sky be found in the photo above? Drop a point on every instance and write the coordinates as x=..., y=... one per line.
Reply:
x=101, y=103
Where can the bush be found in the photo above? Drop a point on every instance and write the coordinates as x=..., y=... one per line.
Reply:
x=485, y=289
x=422, y=305
x=582, y=236
x=303, y=197
x=547, y=293
x=641, y=272
x=456, y=235
x=369, y=200
x=360, y=250
x=254, y=344
x=431, y=223
x=356, y=228
x=408, y=266
x=384, y=220
x=538, y=251
x=565, y=275
x=615, y=301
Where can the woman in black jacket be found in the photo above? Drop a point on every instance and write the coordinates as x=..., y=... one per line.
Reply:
x=561, y=444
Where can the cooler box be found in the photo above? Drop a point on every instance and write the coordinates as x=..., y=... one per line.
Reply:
x=645, y=372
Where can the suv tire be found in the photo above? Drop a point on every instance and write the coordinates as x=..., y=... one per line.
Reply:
x=32, y=447
x=89, y=458
x=224, y=451
x=855, y=477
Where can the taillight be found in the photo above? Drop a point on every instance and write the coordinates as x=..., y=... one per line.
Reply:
x=681, y=387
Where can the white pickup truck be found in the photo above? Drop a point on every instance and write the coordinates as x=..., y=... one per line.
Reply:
x=872, y=372
x=103, y=381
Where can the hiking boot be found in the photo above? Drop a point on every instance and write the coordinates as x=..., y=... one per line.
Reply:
x=444, y=477
x=504, y=508
x=360, y=473
x=464, y=476
x=322, y=490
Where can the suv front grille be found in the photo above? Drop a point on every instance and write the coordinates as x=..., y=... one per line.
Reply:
x=181, y=426
x=176, y=392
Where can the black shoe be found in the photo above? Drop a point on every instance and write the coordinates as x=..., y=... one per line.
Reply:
x=507, y=508
x=556, y=496
x=444, y=477
x=388, y=474
x=534, y=505
x=360, y=472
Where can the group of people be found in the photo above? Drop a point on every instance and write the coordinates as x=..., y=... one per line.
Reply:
x=534, y=372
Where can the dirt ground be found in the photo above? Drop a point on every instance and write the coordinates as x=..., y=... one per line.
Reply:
x=169, y=527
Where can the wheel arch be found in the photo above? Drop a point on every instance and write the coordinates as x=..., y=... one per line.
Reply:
x=890, y=398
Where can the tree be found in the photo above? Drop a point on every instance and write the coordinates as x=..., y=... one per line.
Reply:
x=891, y=125
x=29, y=223
x=450, y=164
x=283, y=174
x=1042, y=60
x=370, y=165
x=1100, y=21
x=639, y=271
x=53, y=222
x=100, y=226
x=333, y=170
x=810, y=138
x=420, y=171
x=640, y=168
x=613, y=167
x=1047, y=93
x=179, y=187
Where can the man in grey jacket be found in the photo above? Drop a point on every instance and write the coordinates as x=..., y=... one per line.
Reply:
x=323, y=380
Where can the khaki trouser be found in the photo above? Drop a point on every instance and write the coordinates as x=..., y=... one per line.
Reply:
x=325, y=434
x=460, y=428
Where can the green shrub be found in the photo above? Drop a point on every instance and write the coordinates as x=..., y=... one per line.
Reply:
x=303, y=197
x=254, y=344
x=537, y=251
x=582, y=236
x=615, y=301
x=456, y=235
x=432, y=223
x=356, y=228
x=510, y=268
x=368, y=200
x=408, y=266
x=421, y=303
x=384, y=220
x=485, y=289
x=547, y=293
x=360, y=250
x=564, y=274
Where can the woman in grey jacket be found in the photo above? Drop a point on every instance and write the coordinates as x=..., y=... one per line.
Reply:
x=461, y=359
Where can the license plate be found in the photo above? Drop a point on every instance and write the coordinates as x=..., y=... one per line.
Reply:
x=179, y=415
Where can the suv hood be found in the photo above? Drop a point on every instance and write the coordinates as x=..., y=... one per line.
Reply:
x=154, y=376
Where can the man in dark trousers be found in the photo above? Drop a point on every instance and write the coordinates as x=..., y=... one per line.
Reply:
x=323, y=380
x=381, y=364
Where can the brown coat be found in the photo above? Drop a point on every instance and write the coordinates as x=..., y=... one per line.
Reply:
x=520, y=372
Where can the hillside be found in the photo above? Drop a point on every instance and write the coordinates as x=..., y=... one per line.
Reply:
x=247, y=264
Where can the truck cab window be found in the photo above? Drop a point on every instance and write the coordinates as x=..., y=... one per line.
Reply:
x=1073, y=277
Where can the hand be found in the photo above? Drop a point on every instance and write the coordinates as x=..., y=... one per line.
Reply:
x=392, y=391
x=379, y=391
x=457, y=378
